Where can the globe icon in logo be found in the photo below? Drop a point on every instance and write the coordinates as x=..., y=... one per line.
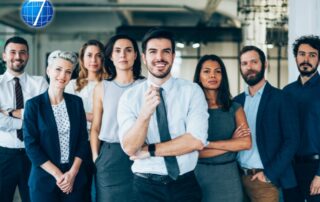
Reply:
x=37, y=13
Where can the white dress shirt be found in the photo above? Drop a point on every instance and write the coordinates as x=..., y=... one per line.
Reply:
x=31, y=86
x=186, y=111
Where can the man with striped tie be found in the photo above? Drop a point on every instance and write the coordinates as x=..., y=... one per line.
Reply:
x=16, y=88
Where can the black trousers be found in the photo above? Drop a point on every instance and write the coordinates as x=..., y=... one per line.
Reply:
x=305, y=172
x=186, y=190
x=14, y=171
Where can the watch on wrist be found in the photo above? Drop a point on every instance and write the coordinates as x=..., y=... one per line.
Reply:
x=152, y=149
x=10, y=113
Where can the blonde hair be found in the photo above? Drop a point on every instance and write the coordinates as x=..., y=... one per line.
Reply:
x=82, y=81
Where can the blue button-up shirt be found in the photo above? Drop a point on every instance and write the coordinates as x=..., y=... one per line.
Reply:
x=251, y=158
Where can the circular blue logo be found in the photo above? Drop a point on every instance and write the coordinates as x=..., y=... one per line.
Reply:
x=37, y=13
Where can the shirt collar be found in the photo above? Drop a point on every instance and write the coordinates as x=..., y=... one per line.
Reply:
x=166, y=86
x=311, y=81
x=22, y=77
x=259, y=92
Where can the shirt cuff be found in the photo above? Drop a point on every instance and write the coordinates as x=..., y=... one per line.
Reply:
x=22, y=113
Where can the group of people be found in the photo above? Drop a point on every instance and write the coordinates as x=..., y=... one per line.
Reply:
x=113, y=135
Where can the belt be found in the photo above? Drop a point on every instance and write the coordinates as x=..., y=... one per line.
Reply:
x=216, y=164
x=163, y=179
x=307, y=158
x=253, y=171
x=6, y=150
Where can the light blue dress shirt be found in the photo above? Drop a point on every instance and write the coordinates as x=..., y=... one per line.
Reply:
x=186, y=111
x=251, y=158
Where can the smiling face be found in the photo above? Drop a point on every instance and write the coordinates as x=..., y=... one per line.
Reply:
x=159, y=58
x=210, y=75
x=123, y=55
x=59, y=73
x=92, y=58
x=307, y=60
x=16, y=57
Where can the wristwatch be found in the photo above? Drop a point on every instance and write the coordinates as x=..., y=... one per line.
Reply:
x=152, y=149
x=10, y=113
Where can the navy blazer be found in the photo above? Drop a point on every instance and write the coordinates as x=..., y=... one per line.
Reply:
x=277, y=135
x=42, y=140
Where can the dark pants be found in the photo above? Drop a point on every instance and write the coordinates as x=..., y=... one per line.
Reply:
x=113, y=174
x=186, y=189
x=305, y=172
x=14, y=171
x=78, y=194
x=57, y=196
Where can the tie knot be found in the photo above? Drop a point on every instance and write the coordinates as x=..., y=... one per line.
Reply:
x=16, y=79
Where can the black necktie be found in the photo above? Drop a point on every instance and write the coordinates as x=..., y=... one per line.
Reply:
x=19, y=102
x=170, y=161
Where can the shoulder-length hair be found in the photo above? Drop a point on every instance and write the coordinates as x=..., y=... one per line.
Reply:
x=82, y=81
x=224, y=98
x=111, y=69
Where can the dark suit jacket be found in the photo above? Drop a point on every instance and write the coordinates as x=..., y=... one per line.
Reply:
x=42, y=141
x=277, y=134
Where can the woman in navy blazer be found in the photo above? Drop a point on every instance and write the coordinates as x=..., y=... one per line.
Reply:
x=56, y=138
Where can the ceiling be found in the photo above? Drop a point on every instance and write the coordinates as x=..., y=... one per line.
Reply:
x=104, y=16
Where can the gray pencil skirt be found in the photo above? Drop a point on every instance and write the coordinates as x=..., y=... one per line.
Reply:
x=113, y=174
x=219, y=183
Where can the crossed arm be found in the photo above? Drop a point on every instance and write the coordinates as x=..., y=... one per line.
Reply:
x=241, y=139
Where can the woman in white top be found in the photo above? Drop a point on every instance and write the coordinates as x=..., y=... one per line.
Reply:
x=113, y=167
x=91, y=72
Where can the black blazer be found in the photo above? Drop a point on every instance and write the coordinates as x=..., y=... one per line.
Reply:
x=42, y=141
x=277, y=134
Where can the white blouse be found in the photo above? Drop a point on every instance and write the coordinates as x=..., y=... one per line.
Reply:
x=63, y=125
x=86, y=94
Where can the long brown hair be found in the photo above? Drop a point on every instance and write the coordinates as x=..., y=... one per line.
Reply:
x=82, y=81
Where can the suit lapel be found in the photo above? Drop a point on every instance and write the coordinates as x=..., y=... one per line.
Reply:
x=262, y=105
x=49, y=116
x=71, y=113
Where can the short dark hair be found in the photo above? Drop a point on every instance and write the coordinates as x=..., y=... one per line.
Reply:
x=16, y=39
x=261, y=54
x=111, y=69
x=311, y=40
x=224, y=96
x=157, y=32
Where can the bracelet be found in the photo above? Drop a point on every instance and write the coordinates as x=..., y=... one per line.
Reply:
x=152, y=149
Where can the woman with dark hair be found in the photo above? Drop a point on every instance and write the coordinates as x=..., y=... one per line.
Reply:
x=228, y=133
x=113, y=167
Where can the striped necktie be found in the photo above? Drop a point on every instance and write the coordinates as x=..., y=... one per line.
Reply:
x=19, y=102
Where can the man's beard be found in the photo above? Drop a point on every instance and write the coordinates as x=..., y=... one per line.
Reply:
x=160, y=75
x=303, y=70
x=254, y=80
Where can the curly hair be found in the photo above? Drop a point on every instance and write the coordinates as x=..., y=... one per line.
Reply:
x=311, y=40
x=82, y=81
